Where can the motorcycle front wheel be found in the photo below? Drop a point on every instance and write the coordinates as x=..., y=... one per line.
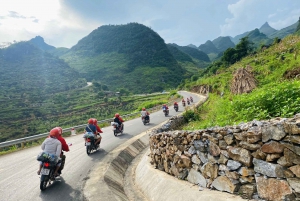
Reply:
x=44, y=182
x=115, y=133
x=88, y=149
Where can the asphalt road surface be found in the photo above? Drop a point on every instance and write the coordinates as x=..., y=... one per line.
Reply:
x=19, y=180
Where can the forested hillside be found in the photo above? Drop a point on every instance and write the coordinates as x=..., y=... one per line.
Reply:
x=249, y=84
x=128, y=56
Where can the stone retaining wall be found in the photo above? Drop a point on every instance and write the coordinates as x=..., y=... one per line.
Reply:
x=258, y=159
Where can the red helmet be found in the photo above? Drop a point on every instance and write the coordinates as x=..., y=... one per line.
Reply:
x=175, y=103
x=91, y=121
x=144, y=109
x=60, y=130
x=54, y=132
x=117, y=115
x=95, y=122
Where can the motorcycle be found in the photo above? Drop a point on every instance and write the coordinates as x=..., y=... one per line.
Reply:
x=188, y=102
x=183, y=104
x=166, y=111
x=146, y=119
x=176, y=108
x=191, y=99
x=49, y=163
x=116, y=128
x=90, y=143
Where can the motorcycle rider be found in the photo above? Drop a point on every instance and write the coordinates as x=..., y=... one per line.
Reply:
x=175, y=105
x=188, y=101
x=90, y=128
x=99, y=137
x=191, y=98
x=52, y=145
x=183, y=102
x=119, y=120
x=144, y=114
x=64, y=147
x=165, y=107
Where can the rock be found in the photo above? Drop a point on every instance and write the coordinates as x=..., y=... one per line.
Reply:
x=213, y=149
x=293, y=148
x=272, y=189
x=196, y=160
x=222, y=144
x=259, y=154
x=200, y=145
x=222, y=159
x=196, y=177
x=291, y=127
x=222, y=183
x=174, y=171
x=246, y=191
x=244, y=171
x=225, y=153
x=291, y=157
x=209, y=170
x=284, y=162
x=296, y=170
x=273, y=132
x=186, y=161
x=268, y=169
x=248, y=146
x=288, y=173
x=228, y=139
x=241, y=155
x=292, y=138
x=294, y=183
x=244, y=180
x=183, y=174
x=192, y=150
x=233, y=165
x=272, y=147
x=241, y=136
x=222, y=167
x=272, y=157
x=254, y=135
x=202, y=157
x=232, y=175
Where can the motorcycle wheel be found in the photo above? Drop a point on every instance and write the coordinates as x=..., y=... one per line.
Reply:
x=44, y=182
x=88, y=149
x=115, y=133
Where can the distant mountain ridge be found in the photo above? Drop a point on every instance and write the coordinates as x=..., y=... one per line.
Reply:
x=132, y=56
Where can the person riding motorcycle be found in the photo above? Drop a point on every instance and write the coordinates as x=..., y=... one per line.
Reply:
x=99, y=137
x=64, y=147
x=144, y=113
x=90, y=128
x=188, y=101
x=175, y=105
x=53, y=146
x=165, y=107
x=119, y=120
x=191, y=98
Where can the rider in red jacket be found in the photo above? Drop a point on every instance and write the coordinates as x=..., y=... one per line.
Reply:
x=98, y=131
x=64, y=147
x=119, y=120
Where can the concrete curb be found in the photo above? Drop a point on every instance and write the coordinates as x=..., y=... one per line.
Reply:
x=164, y=187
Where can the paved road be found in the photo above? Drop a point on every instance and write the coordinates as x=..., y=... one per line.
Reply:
x=19, y=181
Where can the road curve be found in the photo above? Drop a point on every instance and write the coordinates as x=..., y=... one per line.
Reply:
x=18, y=178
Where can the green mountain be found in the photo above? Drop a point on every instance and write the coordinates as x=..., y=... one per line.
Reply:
x=237, y=38
x=223, y=43
x=267, y=29
x=208, y=47
x=39, y=42
x=258, y=38
x=285, y=31
x=26, y=71
x=194, y=53
x=130, y=56
x=59, y=51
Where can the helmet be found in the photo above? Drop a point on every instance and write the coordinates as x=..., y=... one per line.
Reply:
x=175, y=103
x=117, y=115
x=164, y=104
x=91, y=121
x=60, y=130
x=144, y=109
x=95, y=122
x=54, y=132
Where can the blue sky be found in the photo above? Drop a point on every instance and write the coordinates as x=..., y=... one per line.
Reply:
x=63, y=22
